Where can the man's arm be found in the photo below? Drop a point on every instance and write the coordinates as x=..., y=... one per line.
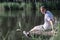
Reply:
x=51, y=24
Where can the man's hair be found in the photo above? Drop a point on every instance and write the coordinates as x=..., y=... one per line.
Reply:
x=44, y=7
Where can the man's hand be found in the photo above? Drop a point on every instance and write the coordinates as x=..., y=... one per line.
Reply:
x=53, y=31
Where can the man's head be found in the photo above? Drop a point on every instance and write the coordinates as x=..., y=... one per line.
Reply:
x=43, y=9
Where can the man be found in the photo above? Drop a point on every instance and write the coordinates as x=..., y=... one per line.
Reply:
x=48, y=23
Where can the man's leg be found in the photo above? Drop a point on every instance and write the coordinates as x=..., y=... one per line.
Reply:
x=36, y=30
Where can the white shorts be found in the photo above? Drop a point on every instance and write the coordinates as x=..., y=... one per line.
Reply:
x=39, y=27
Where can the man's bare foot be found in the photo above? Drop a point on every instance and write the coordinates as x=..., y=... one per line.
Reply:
x=25, y=33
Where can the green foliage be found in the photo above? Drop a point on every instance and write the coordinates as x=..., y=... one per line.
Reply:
x=52, y=5
x=6, y=7
x=58, y=5
x=14, y=6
